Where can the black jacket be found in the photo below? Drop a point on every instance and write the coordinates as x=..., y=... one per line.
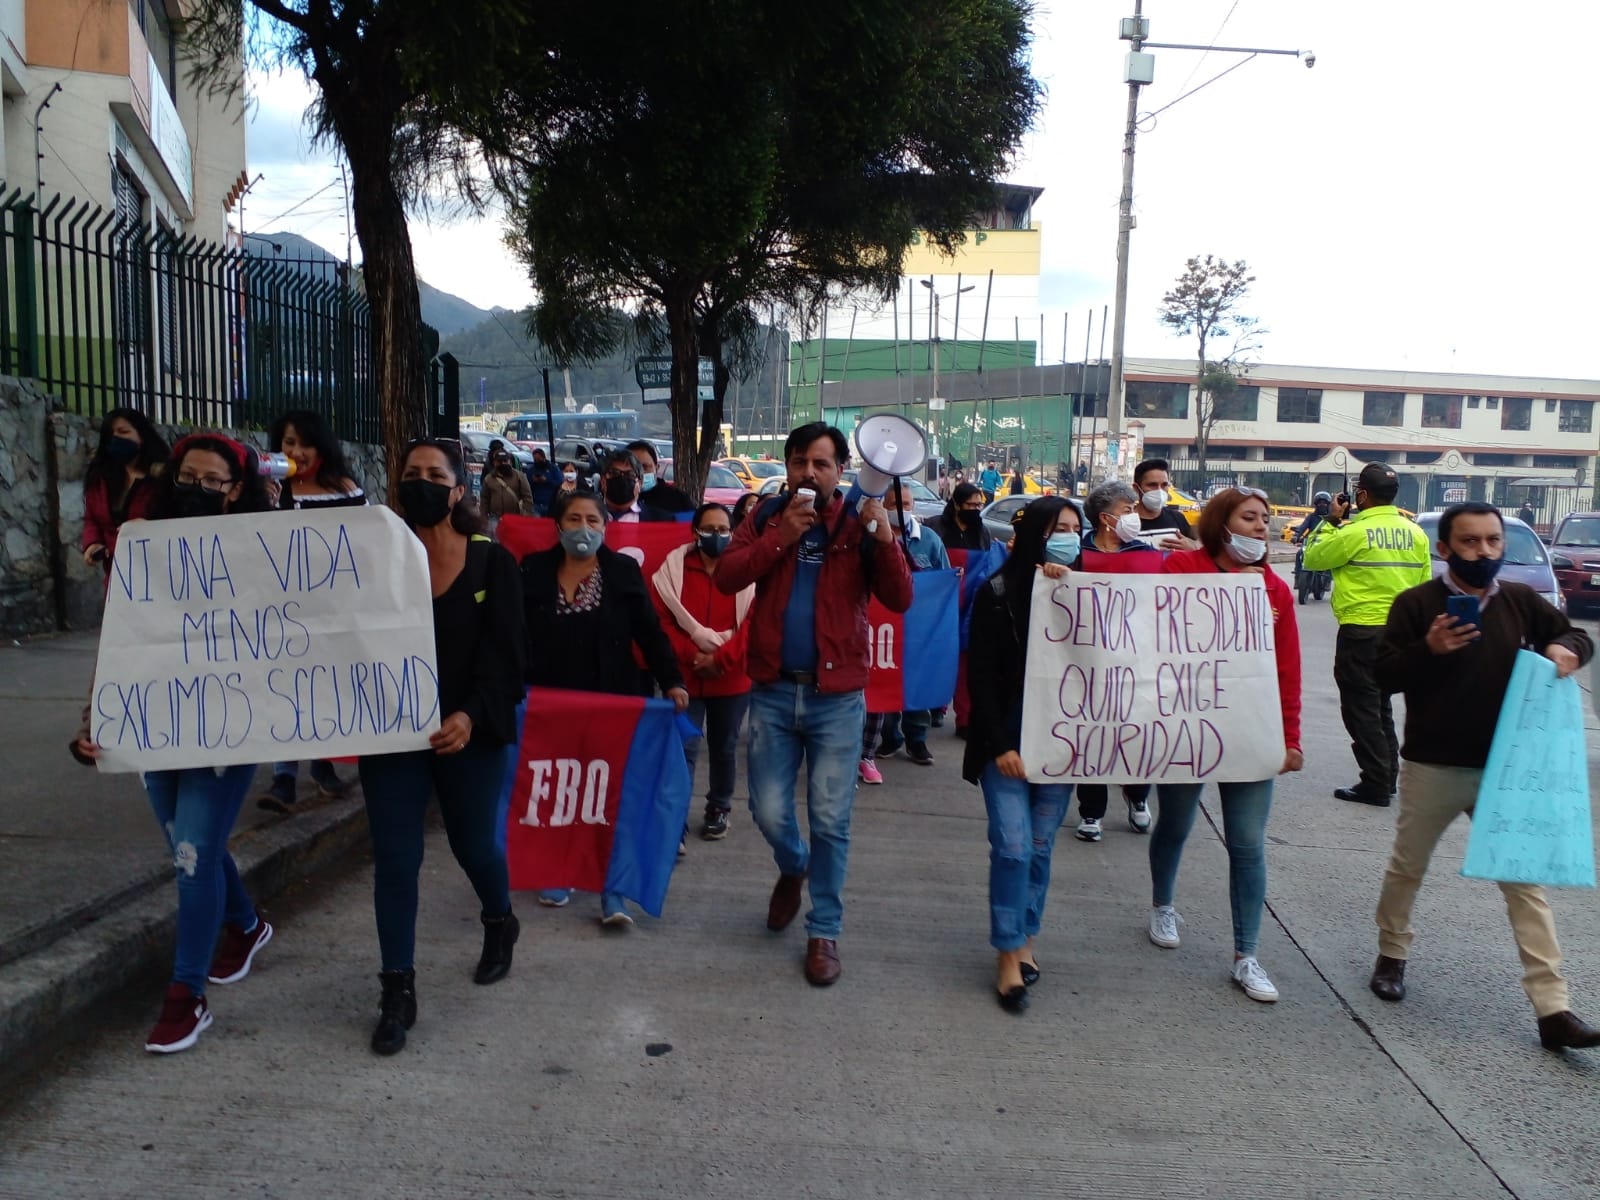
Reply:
x=996, y=658
x=955, y=536
x=666, y=498
x=627, y=617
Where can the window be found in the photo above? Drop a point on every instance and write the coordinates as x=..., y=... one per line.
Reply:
x=1441, y=411
x=1577, y=416
x=1493, y=460
x=1424, y=456
x=1383, y=408
x=157, y=29
x=1241, y=404
x=1157, y=399
x=1474, y=401
x=1300, y=406
x=1549, y=406
x=1290, y=453
x=1491, y=401
x=1517, y=413
x=1554, y=462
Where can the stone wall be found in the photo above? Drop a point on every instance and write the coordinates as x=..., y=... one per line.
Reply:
x=44, y=583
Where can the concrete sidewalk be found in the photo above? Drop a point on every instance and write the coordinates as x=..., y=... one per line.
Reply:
x=83, y=865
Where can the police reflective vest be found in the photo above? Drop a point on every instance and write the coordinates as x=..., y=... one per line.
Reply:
x=1374, y=556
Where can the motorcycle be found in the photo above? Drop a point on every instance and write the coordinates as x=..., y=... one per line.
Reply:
x=1314, y=584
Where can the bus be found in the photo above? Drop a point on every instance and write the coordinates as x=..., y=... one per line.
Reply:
x=619, y=425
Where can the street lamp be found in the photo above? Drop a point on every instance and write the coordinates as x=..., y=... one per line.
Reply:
x=936, y=401
x=1139, y=69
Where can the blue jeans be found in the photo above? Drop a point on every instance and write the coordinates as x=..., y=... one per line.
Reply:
x=1245, y=807
x=396, y=789
x=196, y=808
x=788, y=721
x=1023, y=819
x=718, y=718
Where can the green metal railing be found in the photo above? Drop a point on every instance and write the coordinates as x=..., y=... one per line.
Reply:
x=104, y=313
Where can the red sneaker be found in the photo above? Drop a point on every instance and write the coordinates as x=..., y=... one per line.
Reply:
x=183, y=1016
x=236, y=949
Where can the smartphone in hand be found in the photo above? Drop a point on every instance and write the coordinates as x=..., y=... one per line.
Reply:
x=1464, y=608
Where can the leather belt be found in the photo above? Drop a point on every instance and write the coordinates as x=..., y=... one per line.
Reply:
x=804, y=678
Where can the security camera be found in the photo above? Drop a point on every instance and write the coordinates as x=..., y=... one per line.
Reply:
x=1311, y=59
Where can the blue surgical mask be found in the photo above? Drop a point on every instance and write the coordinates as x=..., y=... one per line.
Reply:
x=1062, y=548
x=648, y=482
x=581, y=543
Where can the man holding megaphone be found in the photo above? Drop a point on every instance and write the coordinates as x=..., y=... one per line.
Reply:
x=814, y=556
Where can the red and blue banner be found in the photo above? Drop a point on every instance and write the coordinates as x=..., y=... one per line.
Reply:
x=646, y=542
x=914, y=654
x=599, y=796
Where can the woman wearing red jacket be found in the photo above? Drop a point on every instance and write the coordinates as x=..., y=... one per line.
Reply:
x=119, y=483
x=1233, y=537
x=708, y=633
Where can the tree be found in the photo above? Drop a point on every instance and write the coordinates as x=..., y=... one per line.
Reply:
x=712, y=160
x=394, y=80
x=1205, y=302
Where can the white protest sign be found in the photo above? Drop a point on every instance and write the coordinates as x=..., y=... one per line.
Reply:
x=1151, y=678
x=263, y=637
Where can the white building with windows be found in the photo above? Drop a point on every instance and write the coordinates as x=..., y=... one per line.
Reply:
x=1505, y=439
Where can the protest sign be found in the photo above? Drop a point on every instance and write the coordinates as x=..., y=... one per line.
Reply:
x=1531, y=823
x=1151, y=678
x=263, y=637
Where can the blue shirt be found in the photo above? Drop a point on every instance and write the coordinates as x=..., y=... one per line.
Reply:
x=927, y=552
x=800, y=617
x=989, y=480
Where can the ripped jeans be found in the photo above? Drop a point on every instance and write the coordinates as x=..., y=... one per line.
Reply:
x=196, y=808
x=1023, y=819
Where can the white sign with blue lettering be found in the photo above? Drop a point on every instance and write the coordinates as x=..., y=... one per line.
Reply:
x=264, y=637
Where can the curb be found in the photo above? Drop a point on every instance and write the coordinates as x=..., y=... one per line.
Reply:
x=44, y=995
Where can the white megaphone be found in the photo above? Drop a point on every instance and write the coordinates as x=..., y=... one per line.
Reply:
x=889, y=446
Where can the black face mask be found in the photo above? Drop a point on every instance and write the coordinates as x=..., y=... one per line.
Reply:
x=503, y=467
x=122, y=450
x=713, y=544
x=619, y=490
x=426, y=503
x=192, y=500
x=1475, y=572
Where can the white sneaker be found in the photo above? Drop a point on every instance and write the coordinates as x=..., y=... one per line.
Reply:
x=1089, y=829
x=1247, y=973
x=1139, y=816
x=1164, y=922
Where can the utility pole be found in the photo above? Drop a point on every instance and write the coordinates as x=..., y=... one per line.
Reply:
x=936, y=401
x=1138, y=70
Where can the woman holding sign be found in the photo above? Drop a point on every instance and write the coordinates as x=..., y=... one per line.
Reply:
x=196, y=806
x=1023, y=816
x=587, y=608
x=477, y=634
x=1233, y=537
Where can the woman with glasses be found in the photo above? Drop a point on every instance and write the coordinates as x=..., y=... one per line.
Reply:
x=321, y=480
x=1233, y=538
x=219, y=929
x=1023, y=816
x=586, y=610
x=478, y=646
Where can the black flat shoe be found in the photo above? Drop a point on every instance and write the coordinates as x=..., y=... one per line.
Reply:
x=1030, y=974
x=1013, y=1000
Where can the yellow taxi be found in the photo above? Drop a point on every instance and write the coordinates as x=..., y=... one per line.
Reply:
x=753, y=472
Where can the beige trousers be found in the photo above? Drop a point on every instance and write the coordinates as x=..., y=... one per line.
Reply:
x=1430, y=798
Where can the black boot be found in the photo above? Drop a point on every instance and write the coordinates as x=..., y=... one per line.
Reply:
x=499, y=935
x=397, y=1011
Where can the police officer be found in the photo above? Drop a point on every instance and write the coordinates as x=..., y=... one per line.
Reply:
x=1374, y=554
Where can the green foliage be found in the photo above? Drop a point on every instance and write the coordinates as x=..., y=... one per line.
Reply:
x=1205, y=302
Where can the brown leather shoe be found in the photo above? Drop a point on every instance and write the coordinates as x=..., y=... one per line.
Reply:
x=1389, y=978
x=822, y=962
x=785, y=902
x=1566, y=1030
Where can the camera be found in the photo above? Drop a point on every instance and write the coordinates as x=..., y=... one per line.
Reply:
x=1310, y=59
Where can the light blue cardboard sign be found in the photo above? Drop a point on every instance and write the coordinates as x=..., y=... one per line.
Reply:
x=1531, y=824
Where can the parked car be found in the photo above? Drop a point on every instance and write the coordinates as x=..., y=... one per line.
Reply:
x=998, y=514
x=1525, y=559
x=1575, y=557
x=753, y=472
x=722, y=485
x=475, y=445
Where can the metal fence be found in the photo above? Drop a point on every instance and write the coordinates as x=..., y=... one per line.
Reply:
x=104, y=312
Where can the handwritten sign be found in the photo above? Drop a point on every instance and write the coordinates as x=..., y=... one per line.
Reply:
x=1151, y=678
x=260, y=637
x=1531, y=823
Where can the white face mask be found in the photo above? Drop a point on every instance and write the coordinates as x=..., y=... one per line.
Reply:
x=1154, y=501
x=1128, y=528
x=1246, y=550
x=896, y=517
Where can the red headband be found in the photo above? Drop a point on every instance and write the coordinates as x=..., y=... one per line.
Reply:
x=236, y=450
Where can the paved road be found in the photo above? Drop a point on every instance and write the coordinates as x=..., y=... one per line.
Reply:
x=1138, y=1072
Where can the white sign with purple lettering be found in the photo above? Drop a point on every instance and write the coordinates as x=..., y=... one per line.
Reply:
x=264, y=637
x=1151, y=678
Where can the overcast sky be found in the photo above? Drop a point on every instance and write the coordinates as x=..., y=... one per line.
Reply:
x=1423, y=198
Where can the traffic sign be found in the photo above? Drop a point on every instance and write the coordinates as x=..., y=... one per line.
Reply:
x=655, y=379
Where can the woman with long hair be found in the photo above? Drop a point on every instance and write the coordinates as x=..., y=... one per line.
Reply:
x=1023, y=816
x=478, y=646
x=708, y=634
x=587, y=609
x=119, y=483
x=744, y=506
x=321, y=480
x=960, y=526
x=219, y=929
x=1233, y=538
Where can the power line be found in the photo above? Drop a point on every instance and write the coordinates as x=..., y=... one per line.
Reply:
x=1210, y=43
x=302, y=204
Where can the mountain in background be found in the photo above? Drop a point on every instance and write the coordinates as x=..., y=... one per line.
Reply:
x=446, y=313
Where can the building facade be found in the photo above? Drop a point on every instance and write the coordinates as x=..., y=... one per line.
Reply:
x=104, y=91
